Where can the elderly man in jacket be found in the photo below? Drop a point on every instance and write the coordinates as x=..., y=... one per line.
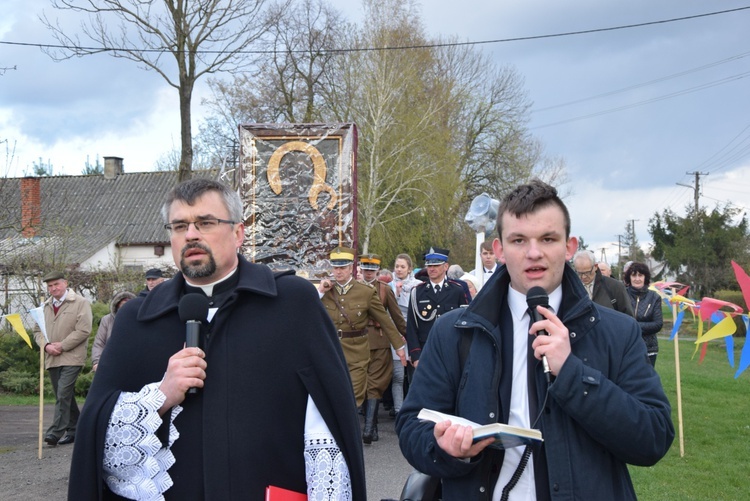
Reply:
x=602, y=289
x=67, y=319
x=602, y=407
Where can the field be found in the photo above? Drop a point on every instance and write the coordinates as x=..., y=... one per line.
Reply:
x=716, y=428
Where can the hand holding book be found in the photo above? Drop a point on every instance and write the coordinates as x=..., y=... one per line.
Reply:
x=505, y=436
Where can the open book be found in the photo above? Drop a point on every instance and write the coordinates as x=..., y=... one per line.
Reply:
x=506, y=436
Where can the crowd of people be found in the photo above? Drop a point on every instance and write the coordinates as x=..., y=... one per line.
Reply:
x=279, y=378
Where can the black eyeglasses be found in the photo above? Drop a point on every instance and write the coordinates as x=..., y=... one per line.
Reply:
x=586, y=273
x=202, y=225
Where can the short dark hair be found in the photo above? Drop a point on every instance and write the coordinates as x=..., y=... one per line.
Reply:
x=192, y=189
x=638, y=268
x=486, y=245
x=527, y=199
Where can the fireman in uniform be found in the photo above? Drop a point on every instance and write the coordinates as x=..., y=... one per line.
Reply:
x=431, y=299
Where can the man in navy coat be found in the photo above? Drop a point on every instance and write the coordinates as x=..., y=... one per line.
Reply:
x=429, y=300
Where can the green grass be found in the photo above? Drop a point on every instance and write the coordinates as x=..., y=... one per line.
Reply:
x=11, y=399
x=716, y=428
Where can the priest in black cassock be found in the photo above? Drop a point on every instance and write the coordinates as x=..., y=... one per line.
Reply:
x=273, y=405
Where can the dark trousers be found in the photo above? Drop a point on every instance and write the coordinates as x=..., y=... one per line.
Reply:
x=66, y=409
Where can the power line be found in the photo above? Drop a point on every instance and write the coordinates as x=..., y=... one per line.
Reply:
x=399, y=47
x=689, y=90
x=644, y=84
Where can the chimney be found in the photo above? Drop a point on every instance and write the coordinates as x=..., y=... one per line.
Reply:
x=112, y=167
x=31, y=206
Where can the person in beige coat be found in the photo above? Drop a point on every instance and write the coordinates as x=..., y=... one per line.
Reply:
x=67, y=319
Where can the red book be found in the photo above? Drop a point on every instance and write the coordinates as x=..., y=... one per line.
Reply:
x=274, y=493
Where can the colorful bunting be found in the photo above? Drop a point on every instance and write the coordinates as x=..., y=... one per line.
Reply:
x=720, y=315
x=15, y=321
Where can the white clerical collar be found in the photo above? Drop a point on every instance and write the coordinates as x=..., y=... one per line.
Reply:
x=208, y=289
x=518, y=306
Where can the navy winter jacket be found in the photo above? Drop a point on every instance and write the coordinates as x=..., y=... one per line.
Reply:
x=606, y=408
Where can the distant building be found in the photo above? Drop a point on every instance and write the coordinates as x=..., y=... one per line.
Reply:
x=80, y=224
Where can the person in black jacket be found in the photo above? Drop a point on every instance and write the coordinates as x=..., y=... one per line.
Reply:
x=646, y=306
x=602, y=290
x=273, y=404
x=429, y=300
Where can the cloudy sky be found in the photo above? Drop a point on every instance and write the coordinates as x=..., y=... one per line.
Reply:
x=631, y=111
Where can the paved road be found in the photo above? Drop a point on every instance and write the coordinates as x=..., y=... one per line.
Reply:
x=24, y=477
x=385, y=466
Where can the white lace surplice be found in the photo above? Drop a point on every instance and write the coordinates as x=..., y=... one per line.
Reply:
x=326, y=470
x=136, y=464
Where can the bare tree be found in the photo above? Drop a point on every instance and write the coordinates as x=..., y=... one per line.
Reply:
x=397, y=99
x=437, y=125
x=297, y=53
x=202, y=36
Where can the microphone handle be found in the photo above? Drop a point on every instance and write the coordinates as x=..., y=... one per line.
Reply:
x=536, y=316
x=192, y=330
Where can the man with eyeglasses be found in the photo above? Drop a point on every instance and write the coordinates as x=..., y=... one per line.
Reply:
x=602, y=290
x=273, y=404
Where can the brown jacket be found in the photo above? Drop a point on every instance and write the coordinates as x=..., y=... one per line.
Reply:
x=374, y=332
x=71, y=326
x=360, y=303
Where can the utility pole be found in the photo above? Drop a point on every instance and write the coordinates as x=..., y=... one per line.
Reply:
x=633, y=250
x=603, y=255
x=696, y=187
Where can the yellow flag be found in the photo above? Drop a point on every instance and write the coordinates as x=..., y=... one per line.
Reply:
x=15, y=321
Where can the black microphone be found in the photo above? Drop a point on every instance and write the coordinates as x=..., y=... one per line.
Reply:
x=537, y=296
x=193, y=310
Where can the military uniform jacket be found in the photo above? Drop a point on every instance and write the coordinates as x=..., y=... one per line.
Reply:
x=375, y=335
x=361, y=303
x=425, y=306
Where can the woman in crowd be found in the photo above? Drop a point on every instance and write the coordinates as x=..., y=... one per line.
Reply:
x=403, y=282
x=646, y=306
x=472, y=282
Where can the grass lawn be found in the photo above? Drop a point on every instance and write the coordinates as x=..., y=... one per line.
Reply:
x=716, y=428
x=11, y=399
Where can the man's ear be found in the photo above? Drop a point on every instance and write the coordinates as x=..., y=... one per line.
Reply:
x=497, y=248
x=571, y=248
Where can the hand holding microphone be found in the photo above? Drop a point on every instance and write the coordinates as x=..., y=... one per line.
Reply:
x=193, y=310
x=537, y=296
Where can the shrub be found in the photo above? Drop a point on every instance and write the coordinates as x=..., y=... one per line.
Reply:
x=735, y=297
x=83, y=383
x=19, y=382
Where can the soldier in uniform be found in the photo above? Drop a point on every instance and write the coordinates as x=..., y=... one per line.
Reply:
x=431, y=299
x=380, y=368
x=351, y=305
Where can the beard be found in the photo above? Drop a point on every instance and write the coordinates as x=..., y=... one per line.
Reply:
x=197, y=270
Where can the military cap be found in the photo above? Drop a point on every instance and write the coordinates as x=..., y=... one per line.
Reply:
x=342, y=256
x=369, y=262
x=53, y=275
x=435, y=256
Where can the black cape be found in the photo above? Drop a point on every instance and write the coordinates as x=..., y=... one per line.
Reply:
x=270, y=345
